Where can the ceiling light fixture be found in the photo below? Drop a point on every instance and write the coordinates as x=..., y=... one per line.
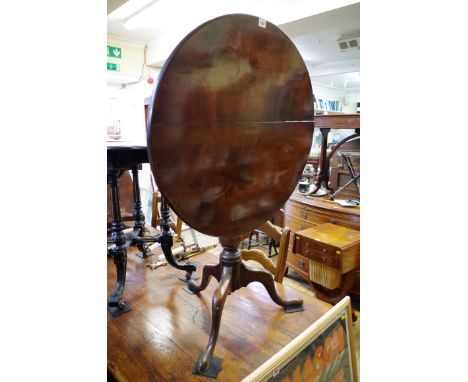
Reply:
x=135, y=20
x=127, y=9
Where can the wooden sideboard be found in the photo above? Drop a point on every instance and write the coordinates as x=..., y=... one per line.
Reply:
x=301, y=212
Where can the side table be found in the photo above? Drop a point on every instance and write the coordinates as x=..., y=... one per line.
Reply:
x=332, y=252
x=120, y=159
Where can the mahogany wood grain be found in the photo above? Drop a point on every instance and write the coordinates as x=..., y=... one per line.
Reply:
x=343, y=121
x=162, y=336
x=230, y=125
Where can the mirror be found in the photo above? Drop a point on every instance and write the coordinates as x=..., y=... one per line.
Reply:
x=337, y=93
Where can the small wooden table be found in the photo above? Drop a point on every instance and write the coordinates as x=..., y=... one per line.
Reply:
x=332, y=256
x=121, y=158
x=325, y=123
x=301, y=212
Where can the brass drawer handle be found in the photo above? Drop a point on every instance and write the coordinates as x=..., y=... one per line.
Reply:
x=304, y=214
x=306, y=252
x=333, y=221
x=301, y=263
x=324, y=250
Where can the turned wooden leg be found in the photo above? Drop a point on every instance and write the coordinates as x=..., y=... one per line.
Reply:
x=249, y=275
x=138, y=216
x=119, y=250
x=324, y=164
x=210, y=270
x=219, y=297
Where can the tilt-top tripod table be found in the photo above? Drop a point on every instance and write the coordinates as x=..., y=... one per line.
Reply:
x=230, y=129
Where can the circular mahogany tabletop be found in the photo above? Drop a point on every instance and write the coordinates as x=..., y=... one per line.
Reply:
x=230, y=124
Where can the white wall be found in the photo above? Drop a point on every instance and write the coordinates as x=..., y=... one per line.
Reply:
x=351, y=99
x=126, y=104
x=126, y=98
x=327, y=93
x=131, y=60
x=348, y=98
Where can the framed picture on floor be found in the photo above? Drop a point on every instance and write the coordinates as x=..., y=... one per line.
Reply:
x=324, y=352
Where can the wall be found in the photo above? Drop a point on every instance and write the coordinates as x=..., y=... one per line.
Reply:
x=128, y=88
x=349, y=98
x=131, y=60
x=126, y=97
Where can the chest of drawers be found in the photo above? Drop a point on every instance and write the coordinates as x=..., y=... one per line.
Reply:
x=329, y=244
x=301, y=213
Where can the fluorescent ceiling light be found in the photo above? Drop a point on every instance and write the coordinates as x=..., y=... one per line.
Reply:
x=131, y=7
x=143, y=17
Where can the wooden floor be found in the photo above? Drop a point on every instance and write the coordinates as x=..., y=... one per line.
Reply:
x=162, y=336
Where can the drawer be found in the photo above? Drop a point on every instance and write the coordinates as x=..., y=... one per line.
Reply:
x=299, y=211
x=320, y=252
x=296, y=224
x=315, y=216
x=299, y=263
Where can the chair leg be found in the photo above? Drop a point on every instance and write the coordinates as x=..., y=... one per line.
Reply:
x=283, y=254
x=259, y=257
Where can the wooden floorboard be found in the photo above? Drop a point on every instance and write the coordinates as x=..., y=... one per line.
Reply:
x=161, y=338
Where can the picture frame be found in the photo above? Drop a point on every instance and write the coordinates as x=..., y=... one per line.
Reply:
x=324, y=352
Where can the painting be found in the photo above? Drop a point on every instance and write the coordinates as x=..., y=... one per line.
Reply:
x=324, y=352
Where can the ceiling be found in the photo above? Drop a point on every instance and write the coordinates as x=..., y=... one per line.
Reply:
x=313, y=25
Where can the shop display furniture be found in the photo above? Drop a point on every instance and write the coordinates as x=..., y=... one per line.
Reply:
x=325, y=123
x=229, y=131
x=330, y=255
x=302, y=212
x=121, y=158
x=339, y=172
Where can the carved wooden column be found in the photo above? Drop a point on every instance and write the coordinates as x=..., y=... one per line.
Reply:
x=119, y=250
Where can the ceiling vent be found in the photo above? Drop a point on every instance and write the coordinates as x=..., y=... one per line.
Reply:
x=350, y=41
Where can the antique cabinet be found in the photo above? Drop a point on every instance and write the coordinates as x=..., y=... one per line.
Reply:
x=301, y=212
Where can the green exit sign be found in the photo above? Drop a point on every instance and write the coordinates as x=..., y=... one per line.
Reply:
x=113, y=51
x=113, y=67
